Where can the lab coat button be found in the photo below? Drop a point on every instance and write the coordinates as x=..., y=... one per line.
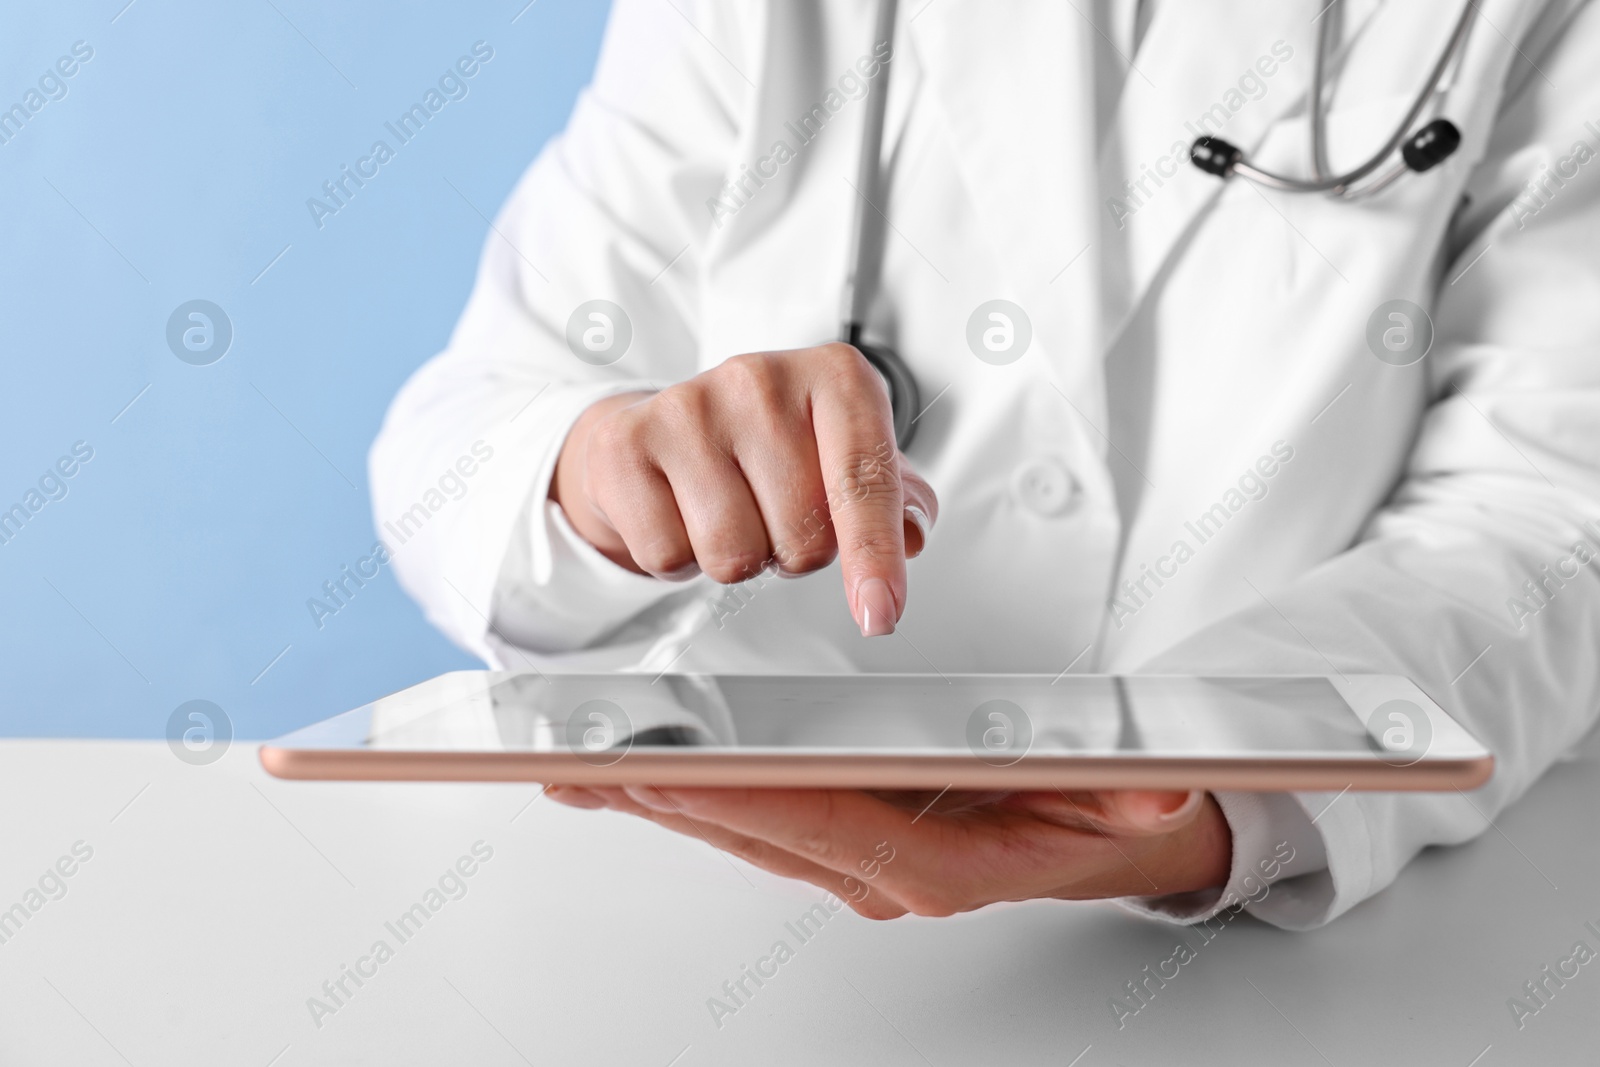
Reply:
x=1045, y=487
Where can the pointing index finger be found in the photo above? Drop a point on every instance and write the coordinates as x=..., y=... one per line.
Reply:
x=854, y=426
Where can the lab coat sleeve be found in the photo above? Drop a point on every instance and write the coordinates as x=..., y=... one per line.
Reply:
x=1274, y=842
x=1480, y=577
x=613, y=209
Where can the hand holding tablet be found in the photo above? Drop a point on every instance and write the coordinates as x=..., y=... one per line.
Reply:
x=914, y=793
x=889, y=855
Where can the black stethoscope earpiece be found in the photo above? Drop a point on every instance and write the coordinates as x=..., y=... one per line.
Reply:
x=1424, y=150
x=1419, y=151
x=1431, y=145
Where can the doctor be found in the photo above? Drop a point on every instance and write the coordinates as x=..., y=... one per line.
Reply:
x=1166, y=420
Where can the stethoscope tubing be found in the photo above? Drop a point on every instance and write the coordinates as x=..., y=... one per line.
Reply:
x=857, y=295
x=1340, y=183
x=863, y=271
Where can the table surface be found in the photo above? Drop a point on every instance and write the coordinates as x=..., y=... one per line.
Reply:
x=215, y=903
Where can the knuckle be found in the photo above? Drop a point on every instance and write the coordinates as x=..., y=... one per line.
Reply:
x=615, y=440
x=807, y=543
x=804, y=558
x=756, y=388
x=753, y=371
x=689, y=405
x=734, y=567
x=844, y=362
x=662, y=556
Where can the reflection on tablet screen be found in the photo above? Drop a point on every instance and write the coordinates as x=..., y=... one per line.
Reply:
x=1086, y=714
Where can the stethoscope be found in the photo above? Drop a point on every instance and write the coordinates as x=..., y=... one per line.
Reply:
x=866, y=251
x=1419, y=151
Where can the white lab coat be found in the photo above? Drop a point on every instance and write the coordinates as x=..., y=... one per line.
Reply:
x=1179, y=337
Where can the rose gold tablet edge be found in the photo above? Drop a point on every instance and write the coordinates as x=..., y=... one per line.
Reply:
x=789, y=770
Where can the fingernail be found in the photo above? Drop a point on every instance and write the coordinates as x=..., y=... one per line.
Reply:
x=682, y=574
x=918, y=518
x=875, y=608
x=649, y=796
x=1182, y=811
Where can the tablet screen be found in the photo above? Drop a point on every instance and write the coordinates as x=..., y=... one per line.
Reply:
x=995, y=716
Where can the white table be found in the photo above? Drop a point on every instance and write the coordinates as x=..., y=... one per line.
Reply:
x=218, y=900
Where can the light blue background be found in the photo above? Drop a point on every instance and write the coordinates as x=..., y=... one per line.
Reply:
x=184, y=153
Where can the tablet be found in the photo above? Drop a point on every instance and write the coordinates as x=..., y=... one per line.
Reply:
x=898, y=731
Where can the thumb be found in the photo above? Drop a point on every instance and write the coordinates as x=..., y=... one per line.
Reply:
x=1139, y=812
x=922, y=509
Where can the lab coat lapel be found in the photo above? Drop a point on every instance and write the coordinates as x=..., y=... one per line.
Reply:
x=1187, y=82
x=1015, y=97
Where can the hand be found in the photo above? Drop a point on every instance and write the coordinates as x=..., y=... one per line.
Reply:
x=887, y=854
x=784, y=458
